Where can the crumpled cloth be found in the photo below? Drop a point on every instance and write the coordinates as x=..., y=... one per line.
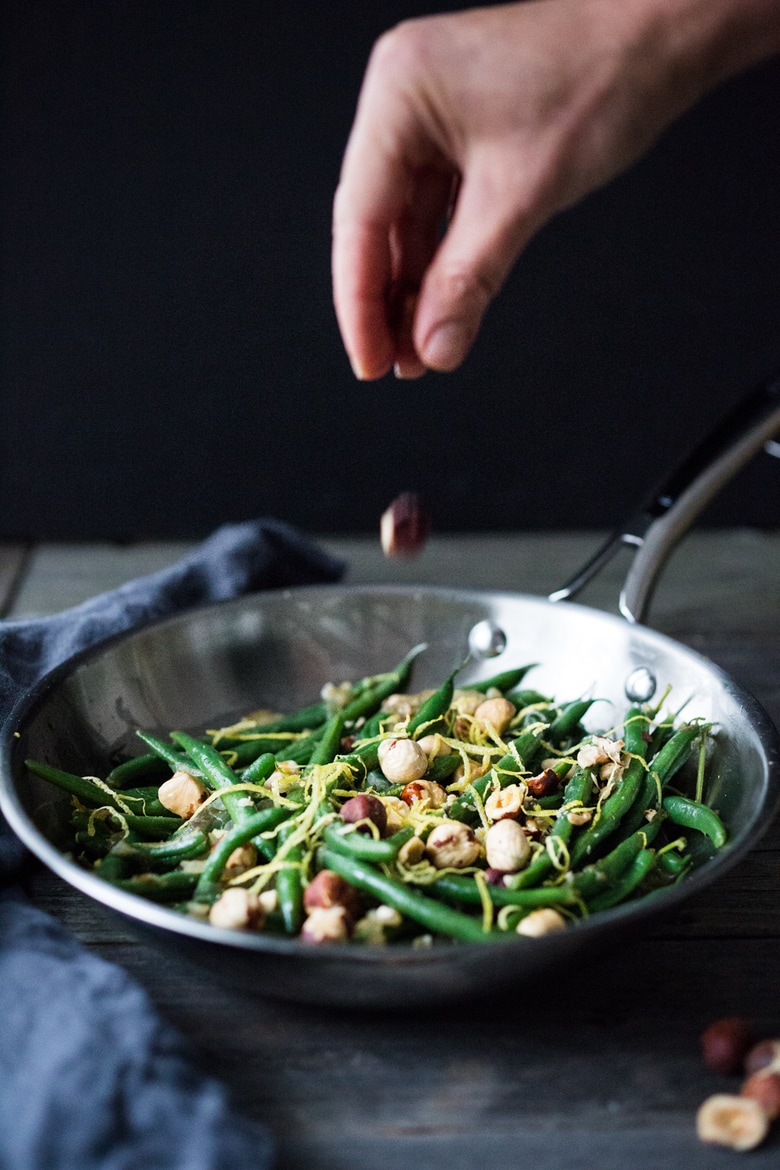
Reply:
x=91, y=1077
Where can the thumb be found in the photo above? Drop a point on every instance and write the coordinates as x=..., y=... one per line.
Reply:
x=490, y=225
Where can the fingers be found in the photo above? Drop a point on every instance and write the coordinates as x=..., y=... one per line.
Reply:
x=492, y=221
x=362, y=274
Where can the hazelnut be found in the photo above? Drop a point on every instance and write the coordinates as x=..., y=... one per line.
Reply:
x=237, y=909
x=579, y=816
x=763, y=1055
x=424, y=790
x=505, y=802
x=182, y=794
x=402, y=760
x=411, y=851
x=540, y=922
x=496, y=714
x=405, y=526
x=452, y=845
x=365, y=807
x=396, y=811
x=372, y=928
x=434, y=746
x=544, y=784
x=472, y=770
x=242, y=858
x=601, y=750
x=506, y=846
x=330, y=889
x=764, y=1086
x=465, y=702
x=326, y=924
x=725, y=1043
x=727, y=1120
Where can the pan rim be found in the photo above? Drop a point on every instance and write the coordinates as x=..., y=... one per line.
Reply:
x=151, y=914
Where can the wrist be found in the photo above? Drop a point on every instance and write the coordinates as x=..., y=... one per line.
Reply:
x=708, y=41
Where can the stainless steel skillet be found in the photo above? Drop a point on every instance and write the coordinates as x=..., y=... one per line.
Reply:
x=277, y=649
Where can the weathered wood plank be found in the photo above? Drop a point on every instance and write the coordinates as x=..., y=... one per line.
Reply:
x=60, y=576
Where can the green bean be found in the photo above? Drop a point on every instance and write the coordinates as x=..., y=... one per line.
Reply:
x=178, y=761
x=442, y=767
x=367, y=848
x=132, y=770
x=164, y=853
x=259, y=770
x=327, y=748
x=430, y=716
x=691, y=814
x=602, y=874
x=255, y=824
x=289, y=884
x=406, y=900
x=78, y=786
x=577, y=789
x=175, y=886
x=676, y=751
x=216, y=772
x=617, y=805
x=372, y=698
x=564, y=724
x=528, y=698
x=636, y=872
x=507, y=680
x=465, y=889
x=305, y=719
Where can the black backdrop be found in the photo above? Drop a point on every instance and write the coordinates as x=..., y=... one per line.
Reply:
x=171, y=359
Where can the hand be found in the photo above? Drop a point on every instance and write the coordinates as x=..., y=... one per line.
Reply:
x=488, y=122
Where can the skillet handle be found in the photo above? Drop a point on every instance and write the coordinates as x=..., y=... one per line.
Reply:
x=671, y=508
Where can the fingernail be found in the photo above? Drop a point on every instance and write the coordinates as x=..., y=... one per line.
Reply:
x=447, y=345
x=358, y=370
x=409, y=371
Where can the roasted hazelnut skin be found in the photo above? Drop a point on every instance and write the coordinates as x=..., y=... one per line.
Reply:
x=725, y=1043
x=405, y=526
x=544, y=784
x=330, y=889
x=365, y=807
x=764, y=1087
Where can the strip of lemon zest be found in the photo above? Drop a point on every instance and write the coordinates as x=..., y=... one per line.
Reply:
x=558, y=852
x=101, y=784
x=485, y=899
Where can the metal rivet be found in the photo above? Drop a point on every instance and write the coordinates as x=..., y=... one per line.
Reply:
x=640, y=686
x=487, y=640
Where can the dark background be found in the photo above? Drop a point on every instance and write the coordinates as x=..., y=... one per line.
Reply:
x=171, y=358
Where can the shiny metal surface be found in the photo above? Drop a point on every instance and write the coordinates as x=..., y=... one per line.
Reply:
x=276, y=650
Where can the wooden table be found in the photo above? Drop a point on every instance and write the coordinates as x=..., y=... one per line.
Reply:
x=599, y=1070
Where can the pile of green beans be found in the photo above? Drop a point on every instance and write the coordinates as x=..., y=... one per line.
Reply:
x=606, y=817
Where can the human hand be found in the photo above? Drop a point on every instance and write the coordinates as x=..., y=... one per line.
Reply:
x=490, y=121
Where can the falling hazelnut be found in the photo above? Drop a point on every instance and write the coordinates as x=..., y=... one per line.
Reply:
x=405, y=526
